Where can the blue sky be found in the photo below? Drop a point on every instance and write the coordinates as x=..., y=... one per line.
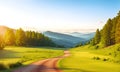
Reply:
x=58, y=15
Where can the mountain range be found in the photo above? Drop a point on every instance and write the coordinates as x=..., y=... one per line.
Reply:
x=68, y=40
x=86, y=36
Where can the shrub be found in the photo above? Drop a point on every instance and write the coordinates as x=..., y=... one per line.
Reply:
x=105, y=59
x=96, y=47
x=13, y=65
x=96, y=58
x=118, y=49
x=110, y=54
x=2, y=66
x=2, y=46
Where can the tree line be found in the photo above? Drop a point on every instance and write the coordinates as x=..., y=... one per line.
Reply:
x=20, y=37
x=109, y=35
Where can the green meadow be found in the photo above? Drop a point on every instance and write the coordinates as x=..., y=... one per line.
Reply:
x=14, y=57
x=88, y=59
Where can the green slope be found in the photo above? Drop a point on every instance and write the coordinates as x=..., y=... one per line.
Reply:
x=87, y=59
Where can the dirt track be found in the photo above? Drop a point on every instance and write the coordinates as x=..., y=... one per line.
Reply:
x=47, y=65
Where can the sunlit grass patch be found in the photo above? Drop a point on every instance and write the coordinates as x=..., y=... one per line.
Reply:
x=13, y=57
x=86, y=59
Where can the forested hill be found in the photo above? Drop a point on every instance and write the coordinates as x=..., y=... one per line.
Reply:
x=64, y=39
x=109, y=35
x=19, y=37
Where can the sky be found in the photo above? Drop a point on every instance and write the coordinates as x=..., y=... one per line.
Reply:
x=57, y=15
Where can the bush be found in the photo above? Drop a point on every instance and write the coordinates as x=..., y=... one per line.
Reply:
x=13, y=65
x=2, y=66
x=96, y=47
x=110, y=54
x=2, y=46
x=96, y=58
x=118, y=49
x=105, y=59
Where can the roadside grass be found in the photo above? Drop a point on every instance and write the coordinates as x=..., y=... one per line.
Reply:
x=14, y=57
x=88, y=59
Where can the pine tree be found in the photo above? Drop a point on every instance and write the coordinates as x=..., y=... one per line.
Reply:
x=106, y=33
x=112, y=36
x=2, y=44
x=117, y=34
x=20, y=37
x=97, y=36
x=9, y=37
x=92, y=42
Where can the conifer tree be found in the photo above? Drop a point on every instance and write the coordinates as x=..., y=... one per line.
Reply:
x=20, y=37
x=117, y=34
x=92, y=42
x=9, y=37
x=112, y=36
x=97, y=36
x=2, y=44
x=106, y=32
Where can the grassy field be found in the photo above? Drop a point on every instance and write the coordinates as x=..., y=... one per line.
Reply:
x=87, y=59
x=26, y=55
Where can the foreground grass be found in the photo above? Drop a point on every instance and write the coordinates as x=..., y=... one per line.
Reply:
x=87, y=59
x=26, y=55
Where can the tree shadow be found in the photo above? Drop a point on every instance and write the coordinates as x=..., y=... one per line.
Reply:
x=47, y=47
x=7, y=54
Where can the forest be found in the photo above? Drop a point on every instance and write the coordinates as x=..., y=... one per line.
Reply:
x=20, y=37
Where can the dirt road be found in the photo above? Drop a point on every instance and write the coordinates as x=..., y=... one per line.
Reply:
x=48, y=65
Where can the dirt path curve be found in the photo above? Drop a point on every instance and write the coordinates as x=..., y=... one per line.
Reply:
x=47, y=65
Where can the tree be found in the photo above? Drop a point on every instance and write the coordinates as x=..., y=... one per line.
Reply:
x=112, y=36
x=37, y=39
x=92, y=42
x=9, y=37
x=20, y=37
x=2, y=45
x=117, y=34
x=97, y=36
x=106, y=33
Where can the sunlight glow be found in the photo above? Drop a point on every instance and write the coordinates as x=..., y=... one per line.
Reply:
x=42, y=16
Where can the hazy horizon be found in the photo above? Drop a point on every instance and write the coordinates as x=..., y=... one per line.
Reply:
x=57, y=15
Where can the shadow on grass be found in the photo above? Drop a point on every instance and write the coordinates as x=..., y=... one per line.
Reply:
x=7, y=53
x=43, y=47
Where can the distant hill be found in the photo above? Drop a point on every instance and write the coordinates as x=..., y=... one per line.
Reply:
x=3, y=30
x=64, y=39
x=86, y=36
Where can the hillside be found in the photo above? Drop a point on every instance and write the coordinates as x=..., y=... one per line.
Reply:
x=88, y=59
x=64, y=39
x=109, y=34
x=86, y=36
x=3, y=30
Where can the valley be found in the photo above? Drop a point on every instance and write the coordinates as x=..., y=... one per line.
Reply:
x=70, y=39
x=59, y=35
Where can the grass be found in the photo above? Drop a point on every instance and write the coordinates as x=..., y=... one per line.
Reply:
x=12, y=57
x=88, y=59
